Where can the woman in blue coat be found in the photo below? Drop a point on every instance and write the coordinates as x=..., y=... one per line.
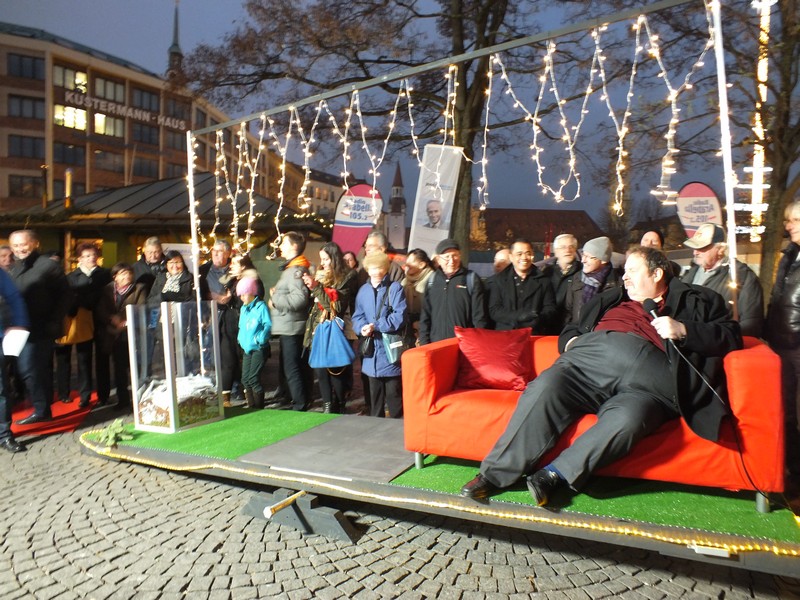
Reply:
x=381, y=308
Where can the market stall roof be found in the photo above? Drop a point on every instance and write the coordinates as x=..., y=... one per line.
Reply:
x=154, y=204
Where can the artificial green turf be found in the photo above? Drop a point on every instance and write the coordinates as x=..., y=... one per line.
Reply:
x=240, y=432
x=630, y=499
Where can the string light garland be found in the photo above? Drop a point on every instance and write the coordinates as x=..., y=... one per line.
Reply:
x=668, y=161
x=535, y=119
x=231, y=185
x=675, y=535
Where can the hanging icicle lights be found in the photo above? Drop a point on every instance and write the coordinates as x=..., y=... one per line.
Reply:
x=239, y=176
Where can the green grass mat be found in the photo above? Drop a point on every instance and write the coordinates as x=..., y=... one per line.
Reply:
x=241, y=431
x=631, y=499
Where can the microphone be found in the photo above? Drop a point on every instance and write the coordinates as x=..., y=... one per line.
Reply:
x=650, y=307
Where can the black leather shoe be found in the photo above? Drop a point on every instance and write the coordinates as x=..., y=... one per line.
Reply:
x=12, y=445
x=542, y=484
x=478, y=488
x=34, y=418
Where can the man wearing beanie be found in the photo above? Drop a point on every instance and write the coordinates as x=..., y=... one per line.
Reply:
x=597, y=275
x=453, y=296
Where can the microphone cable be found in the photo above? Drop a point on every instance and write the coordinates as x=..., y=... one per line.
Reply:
x=650, y=308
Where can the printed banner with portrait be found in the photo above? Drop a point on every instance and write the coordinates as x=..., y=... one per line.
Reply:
x=436, y=192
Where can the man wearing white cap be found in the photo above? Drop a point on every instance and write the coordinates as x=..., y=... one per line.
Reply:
x=711, y=269
x=598, y=275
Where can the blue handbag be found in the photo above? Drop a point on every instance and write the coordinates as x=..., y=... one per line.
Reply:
x=329, y=347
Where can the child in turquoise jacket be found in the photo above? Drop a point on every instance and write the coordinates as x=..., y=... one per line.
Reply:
x=255, y=325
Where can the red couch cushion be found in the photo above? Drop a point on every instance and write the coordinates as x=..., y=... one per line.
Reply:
x=498, y=360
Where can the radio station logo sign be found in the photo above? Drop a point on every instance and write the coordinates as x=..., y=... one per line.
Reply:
x=356, y=213
x=698, y=204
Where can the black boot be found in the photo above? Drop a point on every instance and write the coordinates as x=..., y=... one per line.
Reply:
x=327, y=407
x=258, y=399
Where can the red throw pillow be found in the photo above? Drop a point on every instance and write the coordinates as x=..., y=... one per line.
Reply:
x=498, y=360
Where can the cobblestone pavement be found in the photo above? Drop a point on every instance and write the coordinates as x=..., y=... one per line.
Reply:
x=77, y=526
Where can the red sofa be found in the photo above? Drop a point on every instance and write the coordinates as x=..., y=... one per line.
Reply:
x=443, y=420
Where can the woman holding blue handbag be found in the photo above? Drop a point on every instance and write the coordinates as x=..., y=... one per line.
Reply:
x=381, y=309
x=331, y=354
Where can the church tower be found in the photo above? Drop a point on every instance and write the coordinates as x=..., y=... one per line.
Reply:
x=175, y=53
x=396, y=218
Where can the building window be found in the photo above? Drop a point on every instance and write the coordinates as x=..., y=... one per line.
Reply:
x=25, y=186
x=59, y=191
x=29, y=67
x=178, y=109
x=25, y=107
x=146, y=134
x=26, y=147
x=201, y=151
x=175, y=170
x=176, y=140
x=109, y=161
x=69, y=155
x=70, y=79
x=199, y=118
x=69, y=116
x=146, y=100
x=104, y=125
x=144, y=167
x=109, y=90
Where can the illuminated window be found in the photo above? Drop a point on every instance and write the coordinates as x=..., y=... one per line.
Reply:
x=104, y=125
x=69, y=116
x=70, y=79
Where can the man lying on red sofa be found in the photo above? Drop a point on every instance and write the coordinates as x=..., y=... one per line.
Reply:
x=625, y=366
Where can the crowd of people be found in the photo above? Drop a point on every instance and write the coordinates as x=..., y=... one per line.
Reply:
x=588, y=298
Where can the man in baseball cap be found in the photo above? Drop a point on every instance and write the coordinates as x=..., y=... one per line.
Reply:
x=711, y=269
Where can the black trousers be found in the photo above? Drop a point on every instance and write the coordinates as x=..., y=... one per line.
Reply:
x=64, y=370
x=5, y=403
x=297, y=371
x=252, y=363
x=790, y=378
x=387, y=395
x=622, y=378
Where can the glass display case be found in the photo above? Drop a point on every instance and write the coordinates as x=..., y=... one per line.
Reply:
x=174, y=352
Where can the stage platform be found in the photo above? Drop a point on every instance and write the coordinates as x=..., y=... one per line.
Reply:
x=362, y=459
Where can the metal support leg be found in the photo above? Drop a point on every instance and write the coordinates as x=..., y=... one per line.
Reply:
x=419, y=460
x=762, y=503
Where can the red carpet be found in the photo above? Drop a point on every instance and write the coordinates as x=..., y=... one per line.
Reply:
x=66, y=417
